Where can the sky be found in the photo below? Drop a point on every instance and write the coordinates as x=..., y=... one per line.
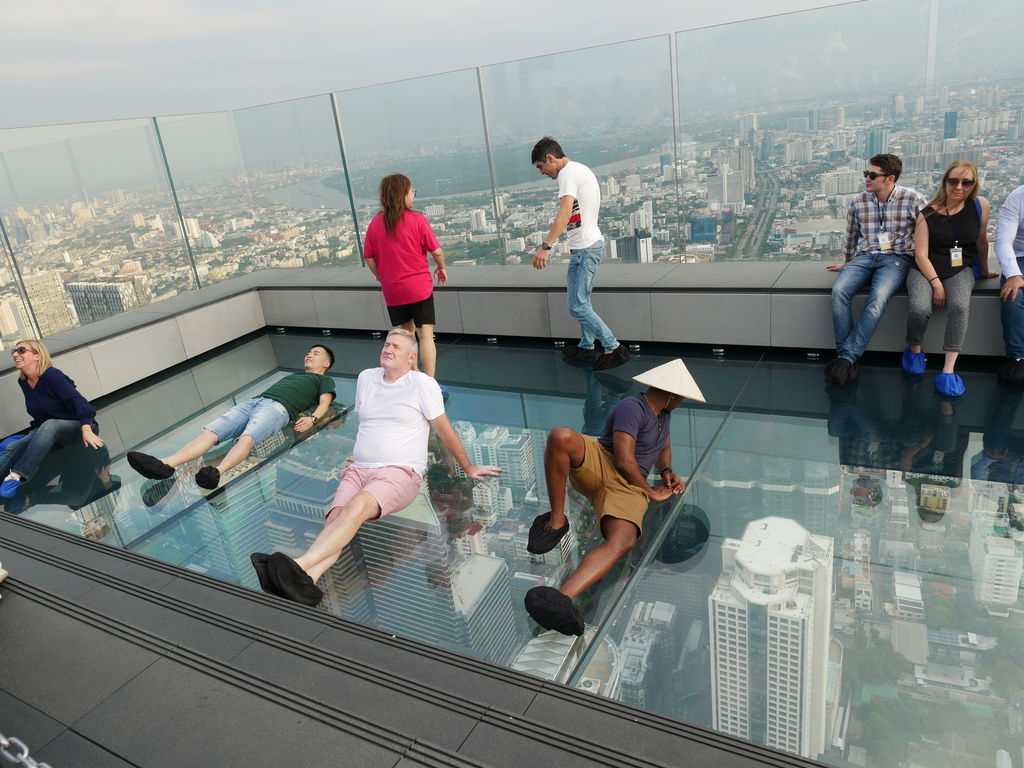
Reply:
x=90, y=60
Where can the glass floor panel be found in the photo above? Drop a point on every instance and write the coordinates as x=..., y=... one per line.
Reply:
x=840, y=579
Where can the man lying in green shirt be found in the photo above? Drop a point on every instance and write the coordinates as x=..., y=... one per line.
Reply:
x=252, y=421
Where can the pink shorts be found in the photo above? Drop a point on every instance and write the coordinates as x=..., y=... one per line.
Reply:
x=394, y=488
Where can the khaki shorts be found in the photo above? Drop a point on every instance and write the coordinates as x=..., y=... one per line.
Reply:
x=609, y=492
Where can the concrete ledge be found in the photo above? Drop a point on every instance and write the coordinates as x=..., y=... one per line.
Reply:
x=765, y=304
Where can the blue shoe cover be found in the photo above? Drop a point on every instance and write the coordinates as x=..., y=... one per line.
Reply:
x=913, y=362
x=950, y=384
x=9, y=487
x=8, y=440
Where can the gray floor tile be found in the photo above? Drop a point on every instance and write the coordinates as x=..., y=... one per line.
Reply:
x=503, y=748
x=61, y=666
x=263, y=614
x=26, y=723
x=466, y=682
x=69, y=749
x=28, y=570
x=11, y=531
x=412, y=715
x=181, y=629
x=111, y=564
x=172, y=716
x=596, y=724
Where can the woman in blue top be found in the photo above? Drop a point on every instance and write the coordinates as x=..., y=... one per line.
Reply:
x=60, y=415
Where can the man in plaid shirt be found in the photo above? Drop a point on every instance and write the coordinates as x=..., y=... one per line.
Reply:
x=879, y=251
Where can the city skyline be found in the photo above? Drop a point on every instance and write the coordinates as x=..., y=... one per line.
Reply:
x=736, y=185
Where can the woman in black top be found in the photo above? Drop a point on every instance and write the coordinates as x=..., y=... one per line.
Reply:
x=949, y=240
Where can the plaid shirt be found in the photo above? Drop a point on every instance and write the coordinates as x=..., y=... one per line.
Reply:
x=866, y=215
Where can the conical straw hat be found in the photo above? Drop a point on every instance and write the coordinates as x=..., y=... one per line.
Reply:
x=672, y=377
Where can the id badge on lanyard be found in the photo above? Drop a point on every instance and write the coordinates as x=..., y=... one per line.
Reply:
x=956, y=256
x=884, y=241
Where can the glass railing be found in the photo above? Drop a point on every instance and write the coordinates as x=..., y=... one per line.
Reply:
x=738, y=142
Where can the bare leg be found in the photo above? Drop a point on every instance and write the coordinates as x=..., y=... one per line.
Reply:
x=620, y=536
x=428, y=351
x=410, y=326
x=342, y=524
x=916, y=349
x=239, y=451
x=564, y=450
x=950, y=363
x=193, y=449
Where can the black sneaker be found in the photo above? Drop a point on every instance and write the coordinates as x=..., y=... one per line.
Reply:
x=149, y=466
x=208, y=478
x=613, y=359
x=1012, y=370
x=841, y=372
x=578, y=353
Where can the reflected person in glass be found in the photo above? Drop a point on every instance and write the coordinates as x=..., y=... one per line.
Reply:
x=949, y=243
x=1010, y=252
x=579, y=202
x=611, y=472
x=879, y=249
x=397, y=242
x=60, y=416
x=397, y=406
x=251, y=421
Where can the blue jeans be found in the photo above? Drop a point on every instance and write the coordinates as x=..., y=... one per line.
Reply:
x=24, y=456
x=886, y=272
x=582, y=270
x=259, y=418
x=1012, y=315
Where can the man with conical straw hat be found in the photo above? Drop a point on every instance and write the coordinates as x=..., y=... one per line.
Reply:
x=611, y=471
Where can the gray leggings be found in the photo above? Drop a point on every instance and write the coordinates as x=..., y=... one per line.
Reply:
x=958, y=305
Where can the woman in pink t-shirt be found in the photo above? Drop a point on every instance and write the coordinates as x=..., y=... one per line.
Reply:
x=397, y=243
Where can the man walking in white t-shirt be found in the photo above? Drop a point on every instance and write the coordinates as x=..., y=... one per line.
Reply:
x=579, y=202
x=397, y=405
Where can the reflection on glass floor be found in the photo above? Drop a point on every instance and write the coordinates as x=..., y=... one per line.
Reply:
x=840, y=579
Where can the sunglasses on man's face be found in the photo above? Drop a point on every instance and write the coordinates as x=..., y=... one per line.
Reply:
x=20, y=350
x=965, y=183
x=872, y=175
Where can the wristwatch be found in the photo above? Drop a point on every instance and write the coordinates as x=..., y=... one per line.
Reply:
x=314, y=419
x=665, y=471
x=545, y=246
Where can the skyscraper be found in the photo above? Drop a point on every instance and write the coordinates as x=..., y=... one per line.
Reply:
x=949, y=125
x=13, y=319
x=995, y=562
x=876, y=141
x=101, y=299
x=49, y=302
x=423, y=588
x=770, y=617
x=306, y=482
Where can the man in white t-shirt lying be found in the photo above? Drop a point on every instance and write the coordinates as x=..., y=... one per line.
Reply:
x=397, y=405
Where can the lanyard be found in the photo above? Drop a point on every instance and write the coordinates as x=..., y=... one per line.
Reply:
x=880, y=209
x=954, y=225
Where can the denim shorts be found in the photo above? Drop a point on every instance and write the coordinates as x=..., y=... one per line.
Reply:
x=258, y=418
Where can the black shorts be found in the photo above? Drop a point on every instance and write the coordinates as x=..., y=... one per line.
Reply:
x=420, y=312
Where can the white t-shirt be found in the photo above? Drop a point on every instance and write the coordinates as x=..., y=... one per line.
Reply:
x=393, y=419
x=577, y=180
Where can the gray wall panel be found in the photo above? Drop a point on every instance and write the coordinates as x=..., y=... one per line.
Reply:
x=512, y=313
x=712, y=318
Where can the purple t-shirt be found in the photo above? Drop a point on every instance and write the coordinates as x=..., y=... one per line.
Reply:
x=650, y=430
